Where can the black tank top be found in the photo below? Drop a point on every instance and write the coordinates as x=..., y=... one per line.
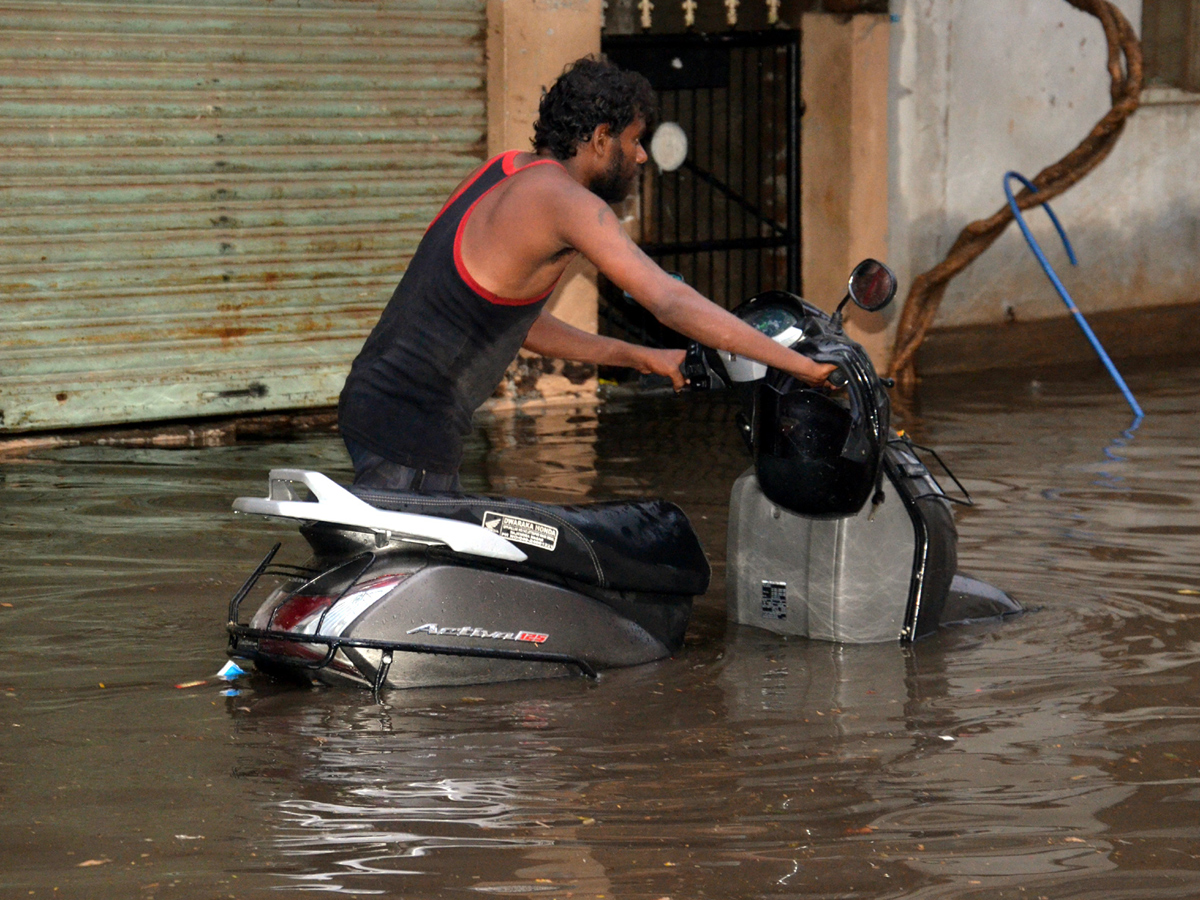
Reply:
x=441, y=346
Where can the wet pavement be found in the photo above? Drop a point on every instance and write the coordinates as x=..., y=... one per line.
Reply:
x=1052, y=756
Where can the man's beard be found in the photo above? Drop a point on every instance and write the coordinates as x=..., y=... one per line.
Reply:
x=615, y=184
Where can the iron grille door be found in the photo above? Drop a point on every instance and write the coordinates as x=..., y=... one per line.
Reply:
x=728, y=220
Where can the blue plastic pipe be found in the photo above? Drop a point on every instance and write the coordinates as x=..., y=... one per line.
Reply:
x=1058, y=285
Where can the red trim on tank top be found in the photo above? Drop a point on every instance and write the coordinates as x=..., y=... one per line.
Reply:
x=505, y=160
x=461, y=266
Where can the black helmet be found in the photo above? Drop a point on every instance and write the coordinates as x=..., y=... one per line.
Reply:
x=817, y=452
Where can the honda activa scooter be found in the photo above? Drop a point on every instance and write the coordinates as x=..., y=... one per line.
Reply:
x=837, y=532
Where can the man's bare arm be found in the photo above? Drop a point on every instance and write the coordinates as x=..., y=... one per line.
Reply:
x=591, y=227
x=554, y=338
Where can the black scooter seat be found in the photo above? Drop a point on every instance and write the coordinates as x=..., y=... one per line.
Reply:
x=644, y=546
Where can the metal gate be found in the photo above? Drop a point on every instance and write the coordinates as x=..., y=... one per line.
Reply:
x=727, y=220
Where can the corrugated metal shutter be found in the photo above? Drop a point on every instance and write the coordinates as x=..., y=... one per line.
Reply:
x=204, y=204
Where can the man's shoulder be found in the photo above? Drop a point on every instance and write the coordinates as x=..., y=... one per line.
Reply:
x=534, y=169
x=545, y=185
x=549, y=179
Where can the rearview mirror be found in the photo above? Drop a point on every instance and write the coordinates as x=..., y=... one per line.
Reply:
x=872, y=285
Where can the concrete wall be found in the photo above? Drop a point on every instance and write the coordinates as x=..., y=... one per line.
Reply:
x=529, y=44
x=844, y=169
x=980, y=87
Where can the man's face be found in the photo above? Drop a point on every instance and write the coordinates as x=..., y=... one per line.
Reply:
x=626, y=157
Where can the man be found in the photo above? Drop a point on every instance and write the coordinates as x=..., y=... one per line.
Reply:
x=474, y=292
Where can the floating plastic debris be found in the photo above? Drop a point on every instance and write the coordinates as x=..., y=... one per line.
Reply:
x=230, y=671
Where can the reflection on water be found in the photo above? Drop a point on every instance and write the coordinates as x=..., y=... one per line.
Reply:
x=1056, y=755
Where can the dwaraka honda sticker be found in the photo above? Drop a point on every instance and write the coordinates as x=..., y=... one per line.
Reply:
x=521, y=531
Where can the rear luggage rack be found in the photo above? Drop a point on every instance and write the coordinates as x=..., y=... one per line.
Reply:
x=245, y=641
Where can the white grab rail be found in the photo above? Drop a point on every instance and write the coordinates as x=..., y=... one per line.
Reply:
x=337, y=506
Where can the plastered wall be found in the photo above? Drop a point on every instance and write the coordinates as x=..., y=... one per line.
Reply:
x=844, y=169
x=529, y=44
x=980, y=87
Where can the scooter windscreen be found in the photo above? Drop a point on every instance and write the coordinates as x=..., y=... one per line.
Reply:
x=816, y=452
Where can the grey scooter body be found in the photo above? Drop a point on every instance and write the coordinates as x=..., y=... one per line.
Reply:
x=887, y=573
x=410, y=590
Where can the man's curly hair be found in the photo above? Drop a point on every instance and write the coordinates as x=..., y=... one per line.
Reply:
x=589, y=93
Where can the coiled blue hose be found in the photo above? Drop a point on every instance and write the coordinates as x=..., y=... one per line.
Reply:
x=1062, y=291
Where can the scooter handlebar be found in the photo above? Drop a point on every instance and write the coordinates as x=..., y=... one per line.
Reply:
x=698, y=369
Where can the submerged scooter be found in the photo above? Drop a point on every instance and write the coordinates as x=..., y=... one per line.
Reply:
x=407, y=590
x=838, y=531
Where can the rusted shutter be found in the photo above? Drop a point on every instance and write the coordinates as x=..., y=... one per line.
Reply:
x=204, y=205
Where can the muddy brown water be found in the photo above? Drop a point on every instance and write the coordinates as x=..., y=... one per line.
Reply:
x=1056, y=755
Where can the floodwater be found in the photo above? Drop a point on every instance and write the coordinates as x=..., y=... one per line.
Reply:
x=1056, y=755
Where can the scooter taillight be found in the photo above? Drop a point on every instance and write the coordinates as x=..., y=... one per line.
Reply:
x=297, y=610
x=296, y=614
x=305, y=623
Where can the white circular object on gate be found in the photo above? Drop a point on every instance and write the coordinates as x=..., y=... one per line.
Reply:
x=669, y=146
